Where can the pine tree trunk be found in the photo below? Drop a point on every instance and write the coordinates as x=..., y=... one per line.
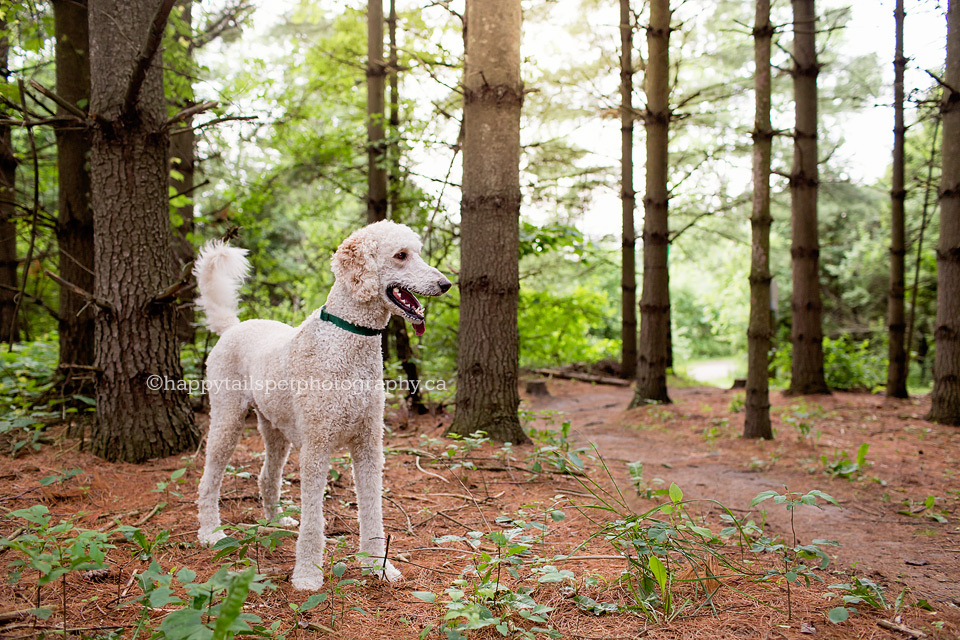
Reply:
x=946, y=385
x=9, y=324
x=628, y=278
x=488, y=359
x=807, y=335
x=75, y=219
x=655, y=299
x=897, y=357
x=405, y=351
x=376, y=74
x=757, y=417
x=133, y=243
x=183, y=158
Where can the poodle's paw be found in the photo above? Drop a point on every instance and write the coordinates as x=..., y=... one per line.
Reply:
x=287, y=522
x=210, y=537
x=389, y=572
x=307, y=581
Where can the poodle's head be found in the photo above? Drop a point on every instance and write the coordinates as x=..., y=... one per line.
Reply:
x=381, y=263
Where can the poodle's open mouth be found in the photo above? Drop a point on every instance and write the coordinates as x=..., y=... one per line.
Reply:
x=411, y=307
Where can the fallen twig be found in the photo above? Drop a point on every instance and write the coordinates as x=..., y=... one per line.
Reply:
x=893, y=626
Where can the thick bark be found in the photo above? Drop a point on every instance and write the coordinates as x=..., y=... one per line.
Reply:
x=628, y=277
x=488, y=359
x=757, y=416
x=807, y=335
x=9, y=325
x=183, y=158
x=75, y=217
x=897, y=355
x=376, y=74
x=133, y=240
x=946, y=386
x=655, y=298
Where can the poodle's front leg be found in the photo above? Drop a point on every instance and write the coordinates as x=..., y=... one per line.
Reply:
x=314, y=465
x=368, y=480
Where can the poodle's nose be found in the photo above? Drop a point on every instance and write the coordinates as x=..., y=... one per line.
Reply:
x=444, y=285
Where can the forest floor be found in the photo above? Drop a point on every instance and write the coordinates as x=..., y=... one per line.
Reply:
x=898, y=525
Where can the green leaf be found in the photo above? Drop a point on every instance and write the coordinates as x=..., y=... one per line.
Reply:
x=763, y=495
x=676, y=495
x=43, y=613
x=232, y=604
x=178, y=473
x=313, y=601
x=426, y=596
x=186, y=575
x=185, y=624
x=838, y=614
x=339, y=569
x=658, y=570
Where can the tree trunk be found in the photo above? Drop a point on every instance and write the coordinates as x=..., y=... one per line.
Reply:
x=75, y=218
x=376, y=73
x=628, y=278
x=946, y=384
x=655, y=298
x=757, y=417
x=405, y=351
x=807, y=367
x=897, y=357
x=183, y=158
x=135, y=340
x=488, y=359
x=9, y=324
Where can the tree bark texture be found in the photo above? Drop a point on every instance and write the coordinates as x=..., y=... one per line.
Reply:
x=9, y=284
x=75, y=216
x=628, y=278
x=654, y=355
x=760, y=331
x=488, y=359
x=897, y=355
x=807, y=368
x=183, y=159
x=946, y=386
x=133, y=241
x=376, y=144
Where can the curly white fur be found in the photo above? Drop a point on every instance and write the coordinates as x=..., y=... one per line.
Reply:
x=220, y=270
x=267, y=365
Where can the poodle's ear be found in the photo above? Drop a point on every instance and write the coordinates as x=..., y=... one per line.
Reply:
x=355, y=265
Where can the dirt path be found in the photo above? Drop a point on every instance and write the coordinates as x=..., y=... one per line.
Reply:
x=695, y=443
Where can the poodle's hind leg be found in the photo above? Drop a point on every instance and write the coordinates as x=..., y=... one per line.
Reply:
x=367, y=453
x=226, y=424
x=314, y=466
x=271, y=474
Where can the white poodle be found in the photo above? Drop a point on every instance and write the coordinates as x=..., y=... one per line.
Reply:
x=316, y=387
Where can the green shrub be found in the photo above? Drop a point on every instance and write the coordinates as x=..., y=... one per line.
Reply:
x=847, y=363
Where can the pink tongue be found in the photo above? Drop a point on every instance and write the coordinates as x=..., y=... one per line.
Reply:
x=420, y=328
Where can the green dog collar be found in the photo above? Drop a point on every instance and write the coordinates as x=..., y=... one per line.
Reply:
x=348, y=326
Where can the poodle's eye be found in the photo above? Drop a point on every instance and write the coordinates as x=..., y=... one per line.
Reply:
x=401, y=255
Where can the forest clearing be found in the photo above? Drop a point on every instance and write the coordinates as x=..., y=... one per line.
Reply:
x=474, y=319
x=891, y=538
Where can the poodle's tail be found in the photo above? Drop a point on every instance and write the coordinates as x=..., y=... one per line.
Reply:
x=220, y=270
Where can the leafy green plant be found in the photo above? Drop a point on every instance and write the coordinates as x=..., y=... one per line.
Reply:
x=737, y=404
x=480, y=598
x=53, y=550
x=794, y=556
x=843, y=467
x=927, y=508
x=212, y=609
x=251, y=537
x=555, y=449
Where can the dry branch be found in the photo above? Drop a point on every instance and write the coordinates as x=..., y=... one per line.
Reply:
x=585, y=377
